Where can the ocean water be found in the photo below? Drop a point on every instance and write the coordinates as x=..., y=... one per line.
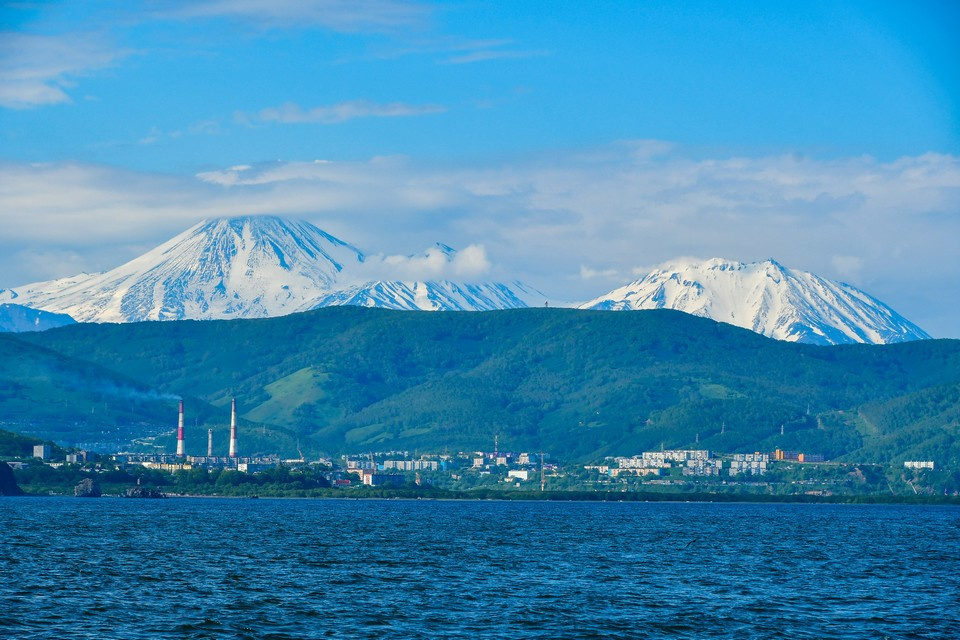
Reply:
x=222, y=568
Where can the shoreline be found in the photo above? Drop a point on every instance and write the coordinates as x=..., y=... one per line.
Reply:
x=565, y=496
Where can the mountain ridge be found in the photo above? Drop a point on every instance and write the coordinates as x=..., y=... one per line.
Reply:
x=15, y=318
x=765, y=297
x=573, y=382
x=268, y=266
x=248, y=267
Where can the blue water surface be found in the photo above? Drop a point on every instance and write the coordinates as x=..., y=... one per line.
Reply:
x=234, y=568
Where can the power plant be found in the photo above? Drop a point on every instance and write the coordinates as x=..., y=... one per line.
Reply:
x=180, y=445
x=233, y=427
x=181, y=440
x=181, y=460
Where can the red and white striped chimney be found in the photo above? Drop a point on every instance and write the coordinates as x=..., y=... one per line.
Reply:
x=180, y=449
x=233, y=428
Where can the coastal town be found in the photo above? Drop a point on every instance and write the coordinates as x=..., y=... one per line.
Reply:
x=779, y=472
x=677, y=470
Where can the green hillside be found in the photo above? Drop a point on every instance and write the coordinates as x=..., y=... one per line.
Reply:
x=61, y=398
x=17, y=445
x=579, y=384
x=64, y=399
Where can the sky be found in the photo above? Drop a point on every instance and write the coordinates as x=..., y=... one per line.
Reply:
x=571, y=145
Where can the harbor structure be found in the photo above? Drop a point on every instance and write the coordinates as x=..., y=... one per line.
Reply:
x=209, y=443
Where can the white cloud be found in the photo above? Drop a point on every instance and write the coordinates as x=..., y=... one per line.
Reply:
x=37, y=70
x=153, y=137
x=344, y=111
x=439, y=262
x=471, y=262
x=494, y=54
x=203, y=127
x=566, y=223
x=346, y=16
x=847, y=267
x=587, y=273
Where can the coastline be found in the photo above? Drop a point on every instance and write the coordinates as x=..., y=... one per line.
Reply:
x=561, y=496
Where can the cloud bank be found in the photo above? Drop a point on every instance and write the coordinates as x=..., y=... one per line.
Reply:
x=573, y=224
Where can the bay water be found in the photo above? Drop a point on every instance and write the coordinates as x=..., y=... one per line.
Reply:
x=292, y=569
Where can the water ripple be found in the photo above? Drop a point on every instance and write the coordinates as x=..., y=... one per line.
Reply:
x=302, y=569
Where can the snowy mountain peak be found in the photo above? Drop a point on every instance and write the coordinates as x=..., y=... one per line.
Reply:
x=256, y=266
x=765, y=297
x=290, y=242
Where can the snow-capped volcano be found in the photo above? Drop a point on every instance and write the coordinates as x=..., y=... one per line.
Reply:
x=248, y=267
x=767, y=298
x=224, y=268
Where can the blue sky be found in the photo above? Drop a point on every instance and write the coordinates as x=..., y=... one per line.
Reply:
x=577, y=143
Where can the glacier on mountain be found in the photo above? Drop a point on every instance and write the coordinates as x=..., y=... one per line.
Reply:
x=767, y=298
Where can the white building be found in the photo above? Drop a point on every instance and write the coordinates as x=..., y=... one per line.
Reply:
x=753, y=467
x=751, y=457
x=411, y=465
x=701, y=467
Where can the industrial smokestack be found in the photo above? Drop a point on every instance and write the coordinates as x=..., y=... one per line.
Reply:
x=233, y=428
x=180, y=449
x=209, y=443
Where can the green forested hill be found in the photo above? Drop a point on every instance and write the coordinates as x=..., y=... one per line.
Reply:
x=65, y=399
x=576, y=383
